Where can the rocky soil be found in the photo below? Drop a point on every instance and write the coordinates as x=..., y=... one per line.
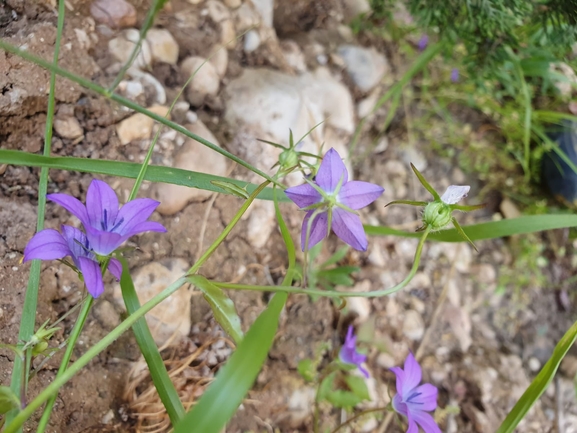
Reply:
x=261, y=69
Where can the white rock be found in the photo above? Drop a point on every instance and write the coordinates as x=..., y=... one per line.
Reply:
x=245, y=17
x=219, y=59
x=233, y=4
x=152, y=87
x=68, y=128
x=365, y=66
x=228, y=34
x=386, y=360
x=191, y=156
x=206, y=81
x=131, y=89
x=138, y=126
x=122, y=46
x=172, y=316
x=251, y=41
x=361, y=307
x=163, y=46
x=217, y=11
x=260, y=223
x=265, y=9
x=413, y=325
x=293, y=55
x=113, y=13
x=300, y=404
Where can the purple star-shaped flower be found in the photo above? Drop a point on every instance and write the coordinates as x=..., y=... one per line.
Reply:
x=349, y=355
x=107, y=227
x=333, y=199
x=50, y=244
x=412, y=400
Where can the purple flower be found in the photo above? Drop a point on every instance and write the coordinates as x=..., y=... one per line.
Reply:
x=414, y=401
x=106, y=226
x=349, y=355
x=423, y=42
x=50, y=244
x=331, y=200
x=454, y=75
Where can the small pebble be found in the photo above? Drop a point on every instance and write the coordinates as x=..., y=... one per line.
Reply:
x=113, y=13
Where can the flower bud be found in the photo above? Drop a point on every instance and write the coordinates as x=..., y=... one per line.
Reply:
x=288, y=158
x=437, y=215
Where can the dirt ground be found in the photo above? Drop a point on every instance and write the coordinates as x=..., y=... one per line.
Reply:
x=482, y=350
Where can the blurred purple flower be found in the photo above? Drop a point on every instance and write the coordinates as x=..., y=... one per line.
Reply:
x=50, y=244
x=332, y=199
x=454, y=75
x=349, y=355
x=423, y=42
x=414, y=401
x=106, y=226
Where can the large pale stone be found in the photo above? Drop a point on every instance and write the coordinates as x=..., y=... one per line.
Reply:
x=172, y=316
x=122, y=46
x=138, y=126
x=195, y=157
x=68, y=127
x=113, y=13
x=365, y=66
x=205, y=82
x=163, y=46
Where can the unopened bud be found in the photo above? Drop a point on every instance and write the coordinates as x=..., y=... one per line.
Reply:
x=437, y=215
x=288, y=158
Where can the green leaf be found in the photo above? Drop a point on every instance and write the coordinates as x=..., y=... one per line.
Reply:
x=222, y=398
x=336, y=257
x=130, y=170
x=307, y=369
x=358, y=386
x=540, y=383
x=8, y=400
x=489, y=230
x=343, y=399
x=164, y=386
x=222, y=307
x=339, y=276
x=326, y=386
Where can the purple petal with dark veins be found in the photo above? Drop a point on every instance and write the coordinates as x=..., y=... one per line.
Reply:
x=319, y=229
x=77, y=242
x=425, y=397
x=349, y=228
x=101, y=205
x=92, y=276
x=303, y=195
x=72, y=205
x=47, y=244
x=146, y=226
x=103, y=243
x=412, y=378
x=356, y=194
x=331, y=170
x=133, y=213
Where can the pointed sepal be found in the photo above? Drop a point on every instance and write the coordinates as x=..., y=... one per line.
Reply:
x=463, y=234
x=409, y=202
x=468, y=208
x=426, y=184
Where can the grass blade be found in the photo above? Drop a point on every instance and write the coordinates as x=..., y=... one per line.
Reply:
x=164, y=386
x=540, y=383
x=154, y=173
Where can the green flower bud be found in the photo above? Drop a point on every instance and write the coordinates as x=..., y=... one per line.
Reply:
x=437, y=215
x=288, y=158
x=39, y=348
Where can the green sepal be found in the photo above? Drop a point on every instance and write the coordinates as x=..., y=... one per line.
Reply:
x=409, y=202
x=231, y=188
x=8, y=400
x=426, y=184
x=463, y=234
x=467, y=208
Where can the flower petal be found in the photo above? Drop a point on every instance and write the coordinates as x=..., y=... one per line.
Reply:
x=398, y=404
x=413, y=428
x=303, y=195
x=455, y=193
x=349, y=228
x=426, y=421
x=400, y=374
x=331, y=171
x=115, y=269
x=412, y=377
x=92, y=276
x=133, y=213
x=101, y=205
x=146, y=226
x=72, y=205
x=318, y=231
x=103, y=243
x=426, y=397
x=356, y=194
x=77, y=242
x=47, y=244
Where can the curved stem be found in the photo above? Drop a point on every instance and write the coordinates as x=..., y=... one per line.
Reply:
x=360, y=414
x=370, y=294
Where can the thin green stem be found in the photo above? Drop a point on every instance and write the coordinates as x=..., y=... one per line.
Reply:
x=360, y=414
x=329, y=294
x=80, y=321
x=19, y=381
x=130, y=104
